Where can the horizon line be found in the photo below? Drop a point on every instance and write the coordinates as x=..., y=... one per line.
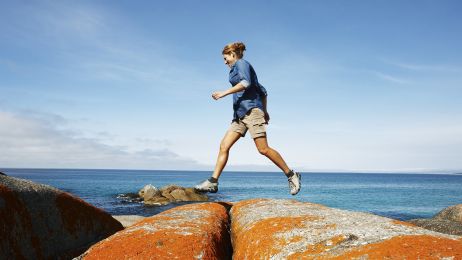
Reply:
x=451, y=172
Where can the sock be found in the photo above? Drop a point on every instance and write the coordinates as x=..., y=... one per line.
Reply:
x=213, y=180
x=290, y=174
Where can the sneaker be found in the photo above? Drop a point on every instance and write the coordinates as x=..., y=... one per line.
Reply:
x=207, y=186
x=295, y=183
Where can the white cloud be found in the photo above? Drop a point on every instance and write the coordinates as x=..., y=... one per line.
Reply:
x=427, y=67
x=393, y=79
x=39, y=140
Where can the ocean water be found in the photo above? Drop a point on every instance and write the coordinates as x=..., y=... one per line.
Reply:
x=399, y=196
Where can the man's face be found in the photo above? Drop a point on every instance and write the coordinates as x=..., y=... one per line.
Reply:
x=230, y=59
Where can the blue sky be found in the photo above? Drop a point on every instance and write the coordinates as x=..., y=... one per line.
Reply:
x=353, y=85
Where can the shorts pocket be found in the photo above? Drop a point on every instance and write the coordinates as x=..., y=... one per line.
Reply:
x=256, y=117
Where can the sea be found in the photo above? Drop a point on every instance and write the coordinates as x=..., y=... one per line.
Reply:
x=398, y=196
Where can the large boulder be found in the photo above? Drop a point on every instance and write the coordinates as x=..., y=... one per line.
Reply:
x=288, y=229
x=168, y=194
x=41, y=222
x=448, y=221
x=193, y=231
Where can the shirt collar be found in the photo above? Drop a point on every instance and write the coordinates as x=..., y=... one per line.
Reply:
x=234, y=65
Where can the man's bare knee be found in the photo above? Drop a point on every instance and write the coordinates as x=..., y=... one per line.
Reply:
x=224, y=148
x=264, y=150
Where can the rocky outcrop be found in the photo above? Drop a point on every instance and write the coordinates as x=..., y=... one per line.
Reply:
x=1, y=173
x=194, y=231
x=448, y=221
x=40, y=222
x=453, y=213
x=171, y=193
x=288, y=229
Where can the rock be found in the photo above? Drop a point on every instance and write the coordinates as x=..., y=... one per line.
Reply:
x=188, y=194
x=453, y=213
x=128, y=220
x=194, y=231
x=168, y=194
x=448, y=221
x=158, y=201
x=1, y=173
x=442, y=226
x=148, y=192
x=179, y=195
x=41, y=222
x=288, y=229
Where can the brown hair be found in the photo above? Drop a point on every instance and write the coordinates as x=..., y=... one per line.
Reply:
x=237, y=48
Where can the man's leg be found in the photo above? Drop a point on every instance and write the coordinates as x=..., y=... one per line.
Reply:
x=294, y=178
x=273, y=155
x=211, y=184
x=226, y=143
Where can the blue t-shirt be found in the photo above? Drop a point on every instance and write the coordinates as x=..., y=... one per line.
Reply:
x=252, y=95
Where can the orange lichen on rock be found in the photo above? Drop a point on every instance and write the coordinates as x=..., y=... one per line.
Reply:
x=74, y=215
x=408, y=247
x=318, y=248
x=185, y=232
x=261, y=239
x=295, y=239
x=398, y=222
x=41, y=222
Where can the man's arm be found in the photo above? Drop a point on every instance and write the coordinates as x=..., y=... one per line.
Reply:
x=219, y=94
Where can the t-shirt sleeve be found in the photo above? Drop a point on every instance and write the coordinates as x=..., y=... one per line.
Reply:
x=243, y=70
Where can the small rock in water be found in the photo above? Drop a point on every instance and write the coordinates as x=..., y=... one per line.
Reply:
x=148, y=192
x=170, y=193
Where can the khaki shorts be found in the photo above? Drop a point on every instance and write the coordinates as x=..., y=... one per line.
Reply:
x=254, y=121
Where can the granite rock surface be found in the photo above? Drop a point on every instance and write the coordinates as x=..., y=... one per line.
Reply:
x=289, y=229
x=193, y=231
x=41, y=222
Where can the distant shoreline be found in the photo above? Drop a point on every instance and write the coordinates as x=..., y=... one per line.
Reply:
x=253, y=171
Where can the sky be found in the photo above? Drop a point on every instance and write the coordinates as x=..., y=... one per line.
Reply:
x=354, y=86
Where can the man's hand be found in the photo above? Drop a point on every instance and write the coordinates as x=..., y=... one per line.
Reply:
x=218, y=94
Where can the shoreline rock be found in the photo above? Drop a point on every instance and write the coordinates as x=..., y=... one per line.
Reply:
x=151, y=195
x=41, y=222
x=275, y=229
x=193, y=231
x=289, y=229
x=447, y=221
